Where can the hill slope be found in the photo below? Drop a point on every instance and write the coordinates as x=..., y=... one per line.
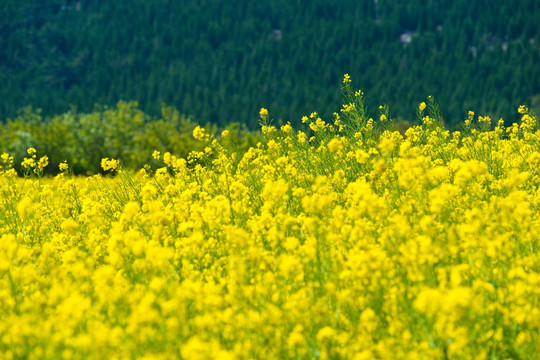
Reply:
x=221, y=61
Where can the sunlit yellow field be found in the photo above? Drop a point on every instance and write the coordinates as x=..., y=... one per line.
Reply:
x=350, y=241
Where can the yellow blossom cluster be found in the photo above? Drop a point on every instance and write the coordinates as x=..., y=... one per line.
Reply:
x=31, y=164
x=347, y=242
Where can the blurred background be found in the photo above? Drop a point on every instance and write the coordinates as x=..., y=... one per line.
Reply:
x=220, y=61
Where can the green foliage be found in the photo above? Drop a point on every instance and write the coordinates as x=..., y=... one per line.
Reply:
x=222, y=61
x=124, y=132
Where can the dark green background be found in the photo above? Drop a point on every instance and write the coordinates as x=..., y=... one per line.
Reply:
x=221, y=61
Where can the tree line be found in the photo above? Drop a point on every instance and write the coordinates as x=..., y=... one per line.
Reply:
x=221, y=61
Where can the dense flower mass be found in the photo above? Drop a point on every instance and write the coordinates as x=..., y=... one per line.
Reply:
x=351, y=241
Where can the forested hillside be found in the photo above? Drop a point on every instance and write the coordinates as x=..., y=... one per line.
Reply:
x=220, y=61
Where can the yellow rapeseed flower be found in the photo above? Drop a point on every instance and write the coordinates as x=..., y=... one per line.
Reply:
x=109, y=164
x=335, y=145
x=70, y=226
x=199, y=133
x=25, y=207
x=63, y=166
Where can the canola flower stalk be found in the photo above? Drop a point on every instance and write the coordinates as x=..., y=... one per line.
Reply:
x=346, y=241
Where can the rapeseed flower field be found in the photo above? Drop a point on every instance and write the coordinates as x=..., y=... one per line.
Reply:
x=348, y=240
